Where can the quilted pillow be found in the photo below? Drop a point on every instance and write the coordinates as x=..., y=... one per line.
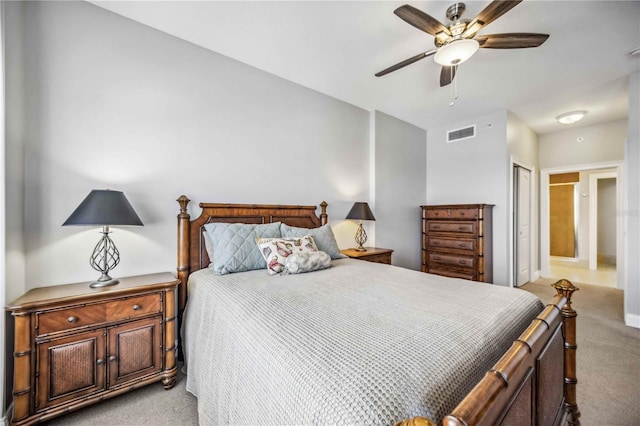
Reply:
x=298, y=263
x=276, y=250
x=234, y=245
x=323, y=236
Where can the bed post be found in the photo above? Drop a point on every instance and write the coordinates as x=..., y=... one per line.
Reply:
x=183, y=253
x=566, y=288
x=323, y=213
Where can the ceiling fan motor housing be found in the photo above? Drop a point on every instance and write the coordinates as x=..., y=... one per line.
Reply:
x=455, y=11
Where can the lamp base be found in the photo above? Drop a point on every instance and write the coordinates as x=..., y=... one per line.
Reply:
x=360, y=249
x=100, y=284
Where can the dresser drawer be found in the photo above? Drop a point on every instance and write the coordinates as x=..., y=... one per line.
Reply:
x=464, y=213
x=467, y=245
x=134, y=307
x=458, y=227
x=437, y=213
x=452, y=259
x=453, y=274
x=98, y=313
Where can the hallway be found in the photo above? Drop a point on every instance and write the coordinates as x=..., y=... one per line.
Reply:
x=579, y=271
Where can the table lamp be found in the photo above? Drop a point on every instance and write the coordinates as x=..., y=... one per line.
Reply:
x=103, y=207
x=360, y=211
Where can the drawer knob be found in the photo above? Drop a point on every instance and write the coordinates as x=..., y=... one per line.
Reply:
x=461, y=213
x=136, y=307
x=100, y=361
x=461, y=262
x=436, y=226
x=436, y=257
x=112, y=358
x=72, y=319
x=461, y=228
x=461, y=245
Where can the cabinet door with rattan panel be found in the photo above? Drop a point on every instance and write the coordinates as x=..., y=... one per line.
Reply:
x=70, y=368
x=133, y=350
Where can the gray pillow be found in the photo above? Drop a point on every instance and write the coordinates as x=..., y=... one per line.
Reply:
x=234, y=245
x=323, y=236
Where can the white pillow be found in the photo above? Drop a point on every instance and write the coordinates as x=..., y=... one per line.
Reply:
x=276, y=250
x=298, y=263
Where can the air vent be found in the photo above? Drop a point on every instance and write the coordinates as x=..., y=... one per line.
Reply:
x=461, y=134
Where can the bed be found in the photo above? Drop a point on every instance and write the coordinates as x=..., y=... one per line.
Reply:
x=364, y=343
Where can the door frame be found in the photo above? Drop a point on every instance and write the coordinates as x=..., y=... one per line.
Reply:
x=544, y=213
x=533, y=208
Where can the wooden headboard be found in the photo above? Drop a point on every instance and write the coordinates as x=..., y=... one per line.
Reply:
x=192, y=254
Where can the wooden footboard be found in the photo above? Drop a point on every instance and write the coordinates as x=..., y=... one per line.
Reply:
x=534, y=383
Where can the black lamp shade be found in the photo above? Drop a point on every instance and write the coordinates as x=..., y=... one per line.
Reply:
x=104, y=207
x=360, y=211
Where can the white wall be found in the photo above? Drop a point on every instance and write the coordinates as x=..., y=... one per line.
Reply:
x=631, y=214
x=601, y=143
x=400, y=170
x=522, y=148
x=3, y=274
x=474, y=171
x=113, y=104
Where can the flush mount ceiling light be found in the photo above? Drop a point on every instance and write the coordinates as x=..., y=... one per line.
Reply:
x=571, y=117
x=456, y=52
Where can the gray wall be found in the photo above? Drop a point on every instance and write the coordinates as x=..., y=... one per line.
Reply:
x=474, y=171
x=110, y=103
x=400, y=188
x=606, y=218
x=632, y=201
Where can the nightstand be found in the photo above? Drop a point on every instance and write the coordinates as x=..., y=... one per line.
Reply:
x=75, y=346
x=373, y=254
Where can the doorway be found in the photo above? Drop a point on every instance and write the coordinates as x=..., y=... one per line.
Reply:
x=597, y=254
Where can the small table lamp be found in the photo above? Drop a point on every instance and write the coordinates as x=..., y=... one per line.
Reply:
x=104, y=207
x=360, y=211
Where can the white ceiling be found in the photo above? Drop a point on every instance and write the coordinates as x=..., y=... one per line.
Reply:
x=336, y=47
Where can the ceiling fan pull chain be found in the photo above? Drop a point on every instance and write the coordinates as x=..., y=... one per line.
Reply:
x=454, y=85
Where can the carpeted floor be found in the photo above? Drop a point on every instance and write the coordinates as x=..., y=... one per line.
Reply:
x=608, y=356
x=608, y=373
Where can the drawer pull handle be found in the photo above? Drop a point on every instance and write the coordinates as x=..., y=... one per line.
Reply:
x=112, y=358
x=461, y=228
x=461, y=213
x=461, y=262
x=72, y=319
x=100, y=361
x=461, y=245
x=136, y=307
x=436, y=226
x=436, y=257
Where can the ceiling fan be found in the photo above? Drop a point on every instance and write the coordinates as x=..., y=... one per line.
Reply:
x=457, y=42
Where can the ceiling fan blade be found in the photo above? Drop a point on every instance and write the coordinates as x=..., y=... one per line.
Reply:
x=447, y=74
x=493, y=11
x=405, y=63
x=511, y=40
x=421, y=20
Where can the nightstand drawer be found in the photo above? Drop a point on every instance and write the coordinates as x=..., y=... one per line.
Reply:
x=99, y=313
x=75, y=317
x=134, y=307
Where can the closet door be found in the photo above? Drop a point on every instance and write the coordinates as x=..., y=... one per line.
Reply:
x=562, y=226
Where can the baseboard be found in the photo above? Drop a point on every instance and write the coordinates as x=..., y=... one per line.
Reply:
x=632, y=320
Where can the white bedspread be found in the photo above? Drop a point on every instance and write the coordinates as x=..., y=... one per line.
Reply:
x=358, y=343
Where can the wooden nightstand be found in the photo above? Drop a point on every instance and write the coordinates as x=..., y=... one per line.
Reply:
x=75, y=345
x=373, y=254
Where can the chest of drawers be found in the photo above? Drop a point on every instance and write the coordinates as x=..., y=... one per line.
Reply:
x=457, y=241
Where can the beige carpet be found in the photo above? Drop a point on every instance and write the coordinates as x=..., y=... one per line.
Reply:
x=608, y=356
x=608, y=373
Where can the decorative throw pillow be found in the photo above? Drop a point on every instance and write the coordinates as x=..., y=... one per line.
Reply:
x=297, y=263
x=276, y=250
x=234, y=245
x=323, y=236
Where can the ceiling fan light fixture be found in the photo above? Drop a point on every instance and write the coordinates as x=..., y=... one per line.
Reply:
x=456, y=52
x=571, y=117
